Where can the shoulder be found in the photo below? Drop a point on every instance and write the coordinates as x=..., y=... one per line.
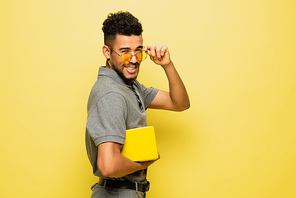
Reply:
x=145, y=90
x=140, y=86
x=105, y=85
x=106, y=91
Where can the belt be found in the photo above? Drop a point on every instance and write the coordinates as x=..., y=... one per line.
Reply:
x=142, y=187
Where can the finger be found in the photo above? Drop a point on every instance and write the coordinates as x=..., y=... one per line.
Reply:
x=152, y=50
x=146, y=49
x=164, y=50
x=158, y=51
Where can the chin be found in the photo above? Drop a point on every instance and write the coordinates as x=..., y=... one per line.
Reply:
x=129, y=76
x=131, y=79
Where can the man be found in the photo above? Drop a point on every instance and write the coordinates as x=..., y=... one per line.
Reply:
x=118, y=102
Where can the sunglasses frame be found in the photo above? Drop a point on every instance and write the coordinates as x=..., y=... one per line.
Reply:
x=120, y=55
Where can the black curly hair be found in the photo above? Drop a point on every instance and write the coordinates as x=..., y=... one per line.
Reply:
x=122, y=23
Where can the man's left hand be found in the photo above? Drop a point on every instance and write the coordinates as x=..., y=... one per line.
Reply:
x=159, y=54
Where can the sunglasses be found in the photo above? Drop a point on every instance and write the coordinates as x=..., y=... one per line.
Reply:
x=126, y=57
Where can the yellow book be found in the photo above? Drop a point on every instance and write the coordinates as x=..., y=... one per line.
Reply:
x=140, y=144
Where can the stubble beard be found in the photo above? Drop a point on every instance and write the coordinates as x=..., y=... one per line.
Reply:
x=128, y=81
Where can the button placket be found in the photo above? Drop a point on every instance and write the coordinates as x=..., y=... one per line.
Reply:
x=138, y=97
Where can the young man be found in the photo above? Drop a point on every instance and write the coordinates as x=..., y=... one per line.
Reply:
x=118, y=102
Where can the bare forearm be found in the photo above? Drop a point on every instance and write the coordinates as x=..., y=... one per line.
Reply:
x=178, y=93
x=111, y=163
x=118, y=167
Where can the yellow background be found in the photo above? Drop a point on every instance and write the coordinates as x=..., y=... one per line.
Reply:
x=237, y=59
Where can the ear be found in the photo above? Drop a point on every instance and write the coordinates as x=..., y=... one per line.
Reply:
x=106, y=52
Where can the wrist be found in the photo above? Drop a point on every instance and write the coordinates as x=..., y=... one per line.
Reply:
x=169, y=65
x=139, y=166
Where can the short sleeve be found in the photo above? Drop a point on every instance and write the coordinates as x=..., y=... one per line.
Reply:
x=106, y=122
x=148, y=94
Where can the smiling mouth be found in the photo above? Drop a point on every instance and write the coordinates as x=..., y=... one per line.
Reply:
x=131, y=69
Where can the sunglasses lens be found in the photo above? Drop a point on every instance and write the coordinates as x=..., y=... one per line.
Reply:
x=141, y=56
x=126, y=57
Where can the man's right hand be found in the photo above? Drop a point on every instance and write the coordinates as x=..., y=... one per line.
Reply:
x=148, y=163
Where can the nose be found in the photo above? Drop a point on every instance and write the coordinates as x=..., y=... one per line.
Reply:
x=134, y=59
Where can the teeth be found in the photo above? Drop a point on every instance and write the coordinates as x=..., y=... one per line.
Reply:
x=130, y=67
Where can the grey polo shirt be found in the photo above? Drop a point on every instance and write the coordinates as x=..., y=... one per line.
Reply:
x=112, y=108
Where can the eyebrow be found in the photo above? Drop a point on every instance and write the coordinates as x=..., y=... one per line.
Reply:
x=127, y=48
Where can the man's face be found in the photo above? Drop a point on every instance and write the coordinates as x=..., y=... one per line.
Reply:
x=128, y=71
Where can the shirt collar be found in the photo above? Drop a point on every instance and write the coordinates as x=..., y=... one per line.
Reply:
x=104, y=71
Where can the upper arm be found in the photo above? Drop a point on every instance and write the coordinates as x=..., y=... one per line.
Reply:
x=162, y=100
x=107, y=154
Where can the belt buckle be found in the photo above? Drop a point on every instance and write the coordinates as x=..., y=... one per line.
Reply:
x=137, y=186
x=147, y=186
